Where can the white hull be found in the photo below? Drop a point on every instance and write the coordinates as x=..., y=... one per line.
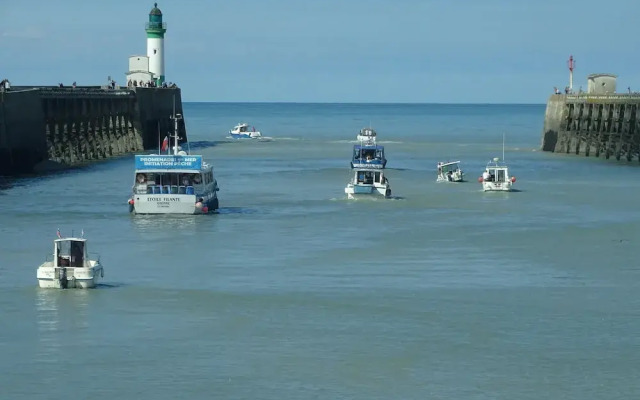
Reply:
x=173, y=204
x=79, y=278
x=377, y=189
x=246, y=135
x=497, y=186
x=455, y=177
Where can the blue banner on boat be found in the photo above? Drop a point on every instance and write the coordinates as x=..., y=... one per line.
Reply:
x=155, y=161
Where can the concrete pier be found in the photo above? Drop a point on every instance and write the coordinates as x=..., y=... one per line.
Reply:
x=593, y=125
x=43, y=128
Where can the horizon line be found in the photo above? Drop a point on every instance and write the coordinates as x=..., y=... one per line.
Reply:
x=365, y=102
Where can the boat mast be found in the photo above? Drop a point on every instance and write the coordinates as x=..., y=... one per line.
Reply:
x=502, y=146
x=175, y=117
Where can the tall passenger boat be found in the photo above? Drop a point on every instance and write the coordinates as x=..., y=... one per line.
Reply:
x=174, y=183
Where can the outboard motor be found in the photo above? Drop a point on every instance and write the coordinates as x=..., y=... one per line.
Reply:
x=62, y=277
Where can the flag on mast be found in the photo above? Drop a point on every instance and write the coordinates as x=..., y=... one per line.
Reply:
x=165, y=143
x=58, y=233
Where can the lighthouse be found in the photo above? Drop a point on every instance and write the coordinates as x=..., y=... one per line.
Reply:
x=155, y=29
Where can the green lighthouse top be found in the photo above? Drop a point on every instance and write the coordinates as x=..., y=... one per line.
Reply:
x=155, y=27
x=155, y=10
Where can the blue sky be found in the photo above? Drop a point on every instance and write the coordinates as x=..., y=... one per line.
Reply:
x=418, y=51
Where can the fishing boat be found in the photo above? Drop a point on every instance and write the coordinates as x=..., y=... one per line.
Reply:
x=366, y=135
x=449, y=172
x=496, y=178
x=242, y=131
x=70, y=266
x=177, y=183
x=369, y=155
x=368, y=182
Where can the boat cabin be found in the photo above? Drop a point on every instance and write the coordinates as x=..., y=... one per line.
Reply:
x=368, y=155
x=496, y=172
x=366, y=177
x=240, y=128
x=171, y=182
x=445, y=168
x=70, y=252
x=171, y=174
x=367, y=133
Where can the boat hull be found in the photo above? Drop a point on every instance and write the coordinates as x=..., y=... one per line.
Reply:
x=68, y=277
x=358, y=190
x=249, y=135
x=455, y=177
x=497, y=186
x=173, y=204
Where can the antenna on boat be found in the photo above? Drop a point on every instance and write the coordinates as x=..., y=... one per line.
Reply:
x=159, y=145
x=502, y=146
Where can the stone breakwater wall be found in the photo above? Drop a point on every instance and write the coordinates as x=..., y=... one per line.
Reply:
x=603, y=126
x=44, y=128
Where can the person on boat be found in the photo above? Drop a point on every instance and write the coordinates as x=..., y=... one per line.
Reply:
x=450, y=176
x=141, y=178
x=486, y=176
x=186, y=181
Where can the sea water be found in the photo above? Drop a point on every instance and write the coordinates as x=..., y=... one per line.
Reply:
x=293, y=291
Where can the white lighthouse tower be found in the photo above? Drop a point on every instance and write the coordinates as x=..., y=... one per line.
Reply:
x=155, y=44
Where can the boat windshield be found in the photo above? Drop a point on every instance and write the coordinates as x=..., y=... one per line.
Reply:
x=171, y=182
x=367, y=154
x=70, y=253
x=449, y=167
x=369, y=177
x=497, y=174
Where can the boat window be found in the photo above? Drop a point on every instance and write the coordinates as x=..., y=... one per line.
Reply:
x=77, y=254
x=70, y=253
x=369, y=154
x=500, y=176
x=365, y=177
x=356, y=154
x=377, y=176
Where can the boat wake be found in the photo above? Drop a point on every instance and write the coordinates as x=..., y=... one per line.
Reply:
x=237, y=210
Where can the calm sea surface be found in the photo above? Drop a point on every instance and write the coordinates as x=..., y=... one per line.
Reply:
x=293, y=292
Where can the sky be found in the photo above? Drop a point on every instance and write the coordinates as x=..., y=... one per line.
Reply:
x=369, y=51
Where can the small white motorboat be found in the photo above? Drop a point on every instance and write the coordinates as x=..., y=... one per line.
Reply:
x=449, y=172
x=368, y=182
x=70, y=266
x=367, y=135
x=242, y=131
x=496, y=178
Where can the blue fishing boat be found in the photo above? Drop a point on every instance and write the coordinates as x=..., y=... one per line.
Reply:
x=368, y=155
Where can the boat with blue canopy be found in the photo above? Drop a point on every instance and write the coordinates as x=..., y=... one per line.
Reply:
x=368, y=155
x=177, y=183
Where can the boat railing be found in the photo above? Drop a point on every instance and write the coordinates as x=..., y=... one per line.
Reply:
x=91, y=257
